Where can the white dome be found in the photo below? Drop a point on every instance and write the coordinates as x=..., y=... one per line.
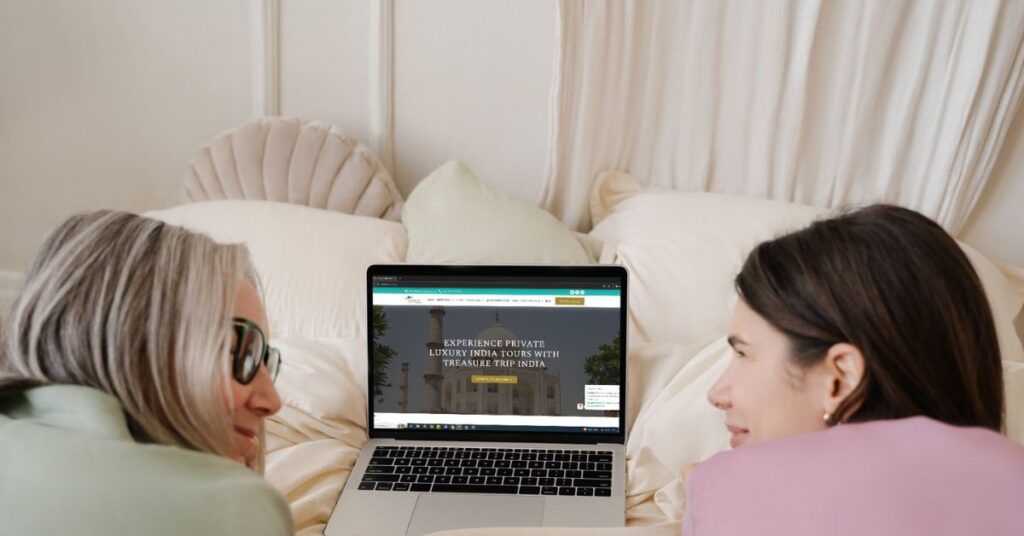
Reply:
x=496, y=332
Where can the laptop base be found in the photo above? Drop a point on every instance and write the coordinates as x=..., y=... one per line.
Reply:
x=387, y=513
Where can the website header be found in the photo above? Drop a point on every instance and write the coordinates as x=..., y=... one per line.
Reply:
x=502, y=297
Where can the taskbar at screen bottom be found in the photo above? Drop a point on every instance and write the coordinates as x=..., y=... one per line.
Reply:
x=427, y=427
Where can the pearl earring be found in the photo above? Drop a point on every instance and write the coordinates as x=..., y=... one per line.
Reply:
x=826, y=417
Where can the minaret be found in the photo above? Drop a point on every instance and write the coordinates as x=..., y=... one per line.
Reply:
x=433, y=377
x=403, y=397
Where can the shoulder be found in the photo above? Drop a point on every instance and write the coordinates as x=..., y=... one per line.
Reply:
x=229, y=498
x=167, y=490
x=918, y=464
x=243, y=504
x=916, y=440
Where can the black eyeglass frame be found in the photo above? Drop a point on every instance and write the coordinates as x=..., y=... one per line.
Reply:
x=269, y=357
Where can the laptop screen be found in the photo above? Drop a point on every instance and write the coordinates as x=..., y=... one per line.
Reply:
x=485, y=350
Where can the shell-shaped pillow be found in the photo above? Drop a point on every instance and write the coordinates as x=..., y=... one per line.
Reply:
x=291, y=161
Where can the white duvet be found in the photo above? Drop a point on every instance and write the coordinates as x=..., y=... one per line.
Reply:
x=682, y=251
x=310, y=451
x=672, y=427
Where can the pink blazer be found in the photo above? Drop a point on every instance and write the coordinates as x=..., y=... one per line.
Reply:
x=907, y=476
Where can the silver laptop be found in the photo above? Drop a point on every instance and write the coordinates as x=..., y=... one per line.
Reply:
x=495, y=399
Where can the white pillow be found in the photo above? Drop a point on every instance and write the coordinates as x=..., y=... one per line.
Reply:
x=312, y=262
x=683, y=251
x=314, y=441
x=325, y=378
x=453, y=218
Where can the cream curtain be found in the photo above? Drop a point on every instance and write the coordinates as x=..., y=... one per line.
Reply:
x=819, y=102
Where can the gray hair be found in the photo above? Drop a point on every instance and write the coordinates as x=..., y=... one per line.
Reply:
x=138, y=309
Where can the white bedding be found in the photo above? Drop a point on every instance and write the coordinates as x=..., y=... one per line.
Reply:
x=312, y=264
x=671, y=427
x=310, y=450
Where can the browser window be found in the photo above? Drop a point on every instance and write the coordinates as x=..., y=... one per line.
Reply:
x=496, y=354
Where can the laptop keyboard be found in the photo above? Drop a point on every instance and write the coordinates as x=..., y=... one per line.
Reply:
x=583, y=473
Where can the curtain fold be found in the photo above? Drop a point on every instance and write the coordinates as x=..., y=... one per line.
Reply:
x=818, y=102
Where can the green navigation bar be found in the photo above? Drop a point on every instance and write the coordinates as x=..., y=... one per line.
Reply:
x=501, y=291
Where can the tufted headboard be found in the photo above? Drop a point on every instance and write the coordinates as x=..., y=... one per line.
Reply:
x=291, y=161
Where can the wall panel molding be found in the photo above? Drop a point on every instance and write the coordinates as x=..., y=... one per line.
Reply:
x=266, y=57
x=381, y=81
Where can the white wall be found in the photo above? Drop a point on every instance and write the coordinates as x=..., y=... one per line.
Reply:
x=325, y=62
x=102, y=103
x=472, y=82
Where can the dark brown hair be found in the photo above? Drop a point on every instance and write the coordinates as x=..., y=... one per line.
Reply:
x=895, y=285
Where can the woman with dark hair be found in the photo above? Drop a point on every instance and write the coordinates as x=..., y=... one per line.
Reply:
x=873, y=329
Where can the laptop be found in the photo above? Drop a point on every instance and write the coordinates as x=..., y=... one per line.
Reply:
x=495, y=399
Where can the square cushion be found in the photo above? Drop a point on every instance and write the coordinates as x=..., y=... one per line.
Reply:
x=453, y=218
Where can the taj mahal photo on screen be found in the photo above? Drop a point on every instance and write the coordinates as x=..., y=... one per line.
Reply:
x=554, y=353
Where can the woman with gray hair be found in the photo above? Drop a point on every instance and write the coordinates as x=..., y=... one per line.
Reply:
x=135, y=350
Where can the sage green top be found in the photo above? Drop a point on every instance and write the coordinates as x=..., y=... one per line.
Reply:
x=68, y=465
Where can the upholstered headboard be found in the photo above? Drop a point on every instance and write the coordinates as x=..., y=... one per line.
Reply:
x=292, y=161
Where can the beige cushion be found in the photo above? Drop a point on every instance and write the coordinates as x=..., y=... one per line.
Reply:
x=683, y=251
x=304, y=163
x=312, y=262
x=314, y=441
x=454, y=218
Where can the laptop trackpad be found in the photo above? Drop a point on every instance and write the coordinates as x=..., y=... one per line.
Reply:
x=439, y=511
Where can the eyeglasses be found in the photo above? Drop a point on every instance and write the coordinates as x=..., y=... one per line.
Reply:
x=249, y=349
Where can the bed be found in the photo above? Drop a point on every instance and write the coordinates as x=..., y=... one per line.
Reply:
x=682, y=251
